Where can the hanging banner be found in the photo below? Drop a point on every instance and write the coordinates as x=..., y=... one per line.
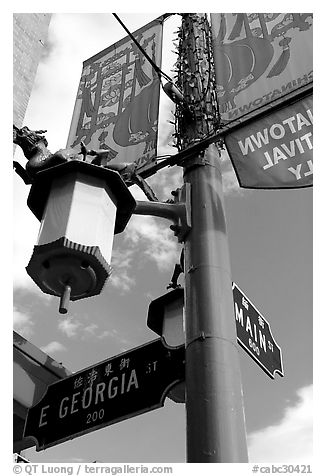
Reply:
x=259, y=57
x=118, y=99
x=275, y=151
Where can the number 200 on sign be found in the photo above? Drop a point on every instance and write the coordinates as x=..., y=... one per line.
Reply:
x=93, y=417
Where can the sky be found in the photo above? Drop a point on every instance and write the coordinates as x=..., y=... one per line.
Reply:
x=270, y=243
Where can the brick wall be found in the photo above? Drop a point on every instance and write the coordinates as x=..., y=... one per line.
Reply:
x=29, y=45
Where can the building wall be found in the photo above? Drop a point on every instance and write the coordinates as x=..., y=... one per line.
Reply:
x=29, y=45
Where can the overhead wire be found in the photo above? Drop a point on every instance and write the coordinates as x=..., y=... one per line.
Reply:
x=154, y=65
x=160, y=73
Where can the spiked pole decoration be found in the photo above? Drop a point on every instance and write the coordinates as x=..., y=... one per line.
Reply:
x=214, y=405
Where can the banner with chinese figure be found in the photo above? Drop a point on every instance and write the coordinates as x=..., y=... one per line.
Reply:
x=259, y=57
x=275, y=151
x=117, y=103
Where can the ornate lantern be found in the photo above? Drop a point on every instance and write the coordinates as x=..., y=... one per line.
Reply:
x=81, y=206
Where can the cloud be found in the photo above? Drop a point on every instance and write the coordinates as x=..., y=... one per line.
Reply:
x=72, y=328
x=165, y=181
x=91, y=328
x=122, y=264
x=23, y=324
x=65, y=54
x=25, y=231
x=125, y=344
x=25, y=228
x=122, y=281
x=146, y=237
x=156, y=240
x=53, y=347
x=289, y=441
x=69, y=326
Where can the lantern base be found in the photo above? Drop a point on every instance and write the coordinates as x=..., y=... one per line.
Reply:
x=63, y=263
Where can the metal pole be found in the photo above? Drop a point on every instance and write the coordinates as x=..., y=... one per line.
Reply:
x=214, y=402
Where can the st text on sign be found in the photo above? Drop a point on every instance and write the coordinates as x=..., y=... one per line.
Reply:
x=259, y=58
x=254, y=335
x=126, y=385
x=275, y=151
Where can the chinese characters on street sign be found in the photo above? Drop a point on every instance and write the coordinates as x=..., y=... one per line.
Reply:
x=116, y=109
x=254, y=335
x=113, y=390
x=275, y=151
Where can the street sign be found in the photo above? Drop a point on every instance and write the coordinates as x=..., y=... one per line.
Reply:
x=254, y=334
x=113, y=390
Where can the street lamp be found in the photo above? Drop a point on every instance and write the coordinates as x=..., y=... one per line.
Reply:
x=81, y=206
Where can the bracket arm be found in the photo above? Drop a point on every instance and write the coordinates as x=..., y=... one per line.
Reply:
x=179, y=212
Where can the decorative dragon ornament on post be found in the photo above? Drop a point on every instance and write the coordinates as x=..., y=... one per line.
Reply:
x=34, y=146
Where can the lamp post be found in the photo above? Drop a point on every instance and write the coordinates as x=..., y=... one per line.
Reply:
x=214, y=404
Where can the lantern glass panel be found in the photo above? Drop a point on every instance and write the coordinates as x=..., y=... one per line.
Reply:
x=82, y=209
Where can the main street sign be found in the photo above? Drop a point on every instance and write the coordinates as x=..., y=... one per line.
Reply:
x=254, y=334
x=113, y=390
x=253, y=330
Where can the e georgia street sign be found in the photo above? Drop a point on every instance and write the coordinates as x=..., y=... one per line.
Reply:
x=255, y=336
x=113, y=390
